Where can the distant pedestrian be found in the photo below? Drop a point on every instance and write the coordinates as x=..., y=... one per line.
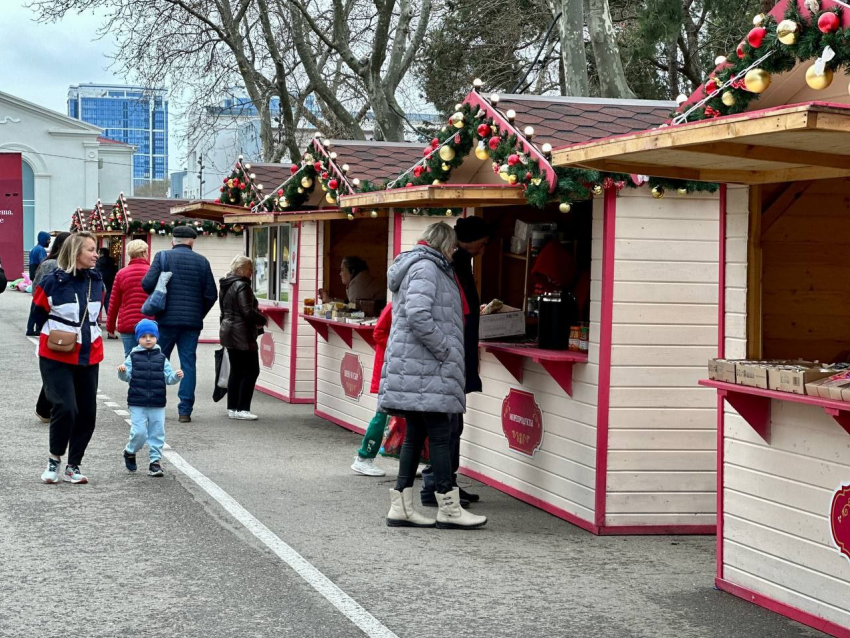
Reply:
x=43, y=407
x=70, y=348
x=371, y=444
x=125, y=304
x=241, y=322
x=3, y=281
x=191, y=295
x=108, y=268
x=37, y=256
x=148, y=372
x=423, y=378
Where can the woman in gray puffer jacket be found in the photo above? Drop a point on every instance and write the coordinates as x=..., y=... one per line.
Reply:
x=423, y=377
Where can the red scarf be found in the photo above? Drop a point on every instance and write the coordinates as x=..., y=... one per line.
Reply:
x=463, y=301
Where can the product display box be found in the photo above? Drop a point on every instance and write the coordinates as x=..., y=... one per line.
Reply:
x=508, y=322
x=523, y=231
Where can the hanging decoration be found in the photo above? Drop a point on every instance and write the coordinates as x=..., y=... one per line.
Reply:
x=97, y=222
x=202, y=227
x=119, y=218
x=79, y=222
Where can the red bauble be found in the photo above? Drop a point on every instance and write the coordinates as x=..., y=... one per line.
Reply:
x=325, y=175
x=162, y=223
x=457, y=138
x=224, y=181
x=428, y=150
x=280, y=192
x=483, y=130
x=494, y=143
x=293, y=169
x=756, y=36
x=710, y=86
x=218, y=201
x=740, y=51
x=513, y=159
x=333, y=184
x=221, y=190
x=528, y=176
x=417, y=170
x=318, y=167
x=242, y=187
x=435, y=143
x=408, y=184
x=828, y=22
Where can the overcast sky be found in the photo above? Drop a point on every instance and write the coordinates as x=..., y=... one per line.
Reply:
x=40, y=61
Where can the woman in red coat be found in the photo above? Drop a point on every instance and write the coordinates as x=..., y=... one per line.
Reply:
x=363, y=463
x=125, y=304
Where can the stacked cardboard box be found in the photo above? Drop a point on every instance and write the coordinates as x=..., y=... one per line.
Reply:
x=797, y=377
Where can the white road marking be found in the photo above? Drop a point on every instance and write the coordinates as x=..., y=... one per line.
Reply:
x=33, y=339
x=111, y=404
x=128, y=422
x=103, y=397
x=121, y=412
x=349, y=607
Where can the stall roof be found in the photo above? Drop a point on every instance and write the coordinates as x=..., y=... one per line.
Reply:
x=270, y=175
x=152, y=209
x=375, y=161
x=786, y=143
x=200, y=210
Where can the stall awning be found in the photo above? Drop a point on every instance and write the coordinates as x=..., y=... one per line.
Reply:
x=437, y=196
x=321, y=214
x=786, y=143
x=205, y=210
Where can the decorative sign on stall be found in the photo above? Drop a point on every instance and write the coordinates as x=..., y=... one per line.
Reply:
x=839, y=519
x=351, y=376
x=522, y=422
x=267, y=350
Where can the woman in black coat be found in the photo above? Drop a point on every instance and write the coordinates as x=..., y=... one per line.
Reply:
x=241, y=324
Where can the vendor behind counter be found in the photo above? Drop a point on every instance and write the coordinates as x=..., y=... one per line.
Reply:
x=358, y=281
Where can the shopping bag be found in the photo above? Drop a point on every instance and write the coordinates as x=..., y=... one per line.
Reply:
x=155, y=304
x=220, y=357
x=224, y=370
x=395, y=438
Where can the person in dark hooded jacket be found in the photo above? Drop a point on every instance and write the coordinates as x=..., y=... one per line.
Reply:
x=241, y=323
x=39, y=252
x=3, y=281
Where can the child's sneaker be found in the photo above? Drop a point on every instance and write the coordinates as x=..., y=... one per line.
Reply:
x=231, y=414
x=130, y=461
x=51, y=474
x=73, y=475
x=244, y=415
x=155, y=469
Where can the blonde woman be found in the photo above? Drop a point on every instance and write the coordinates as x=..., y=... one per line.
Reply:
x=125, y=304
x=68, y=302
x=241, y=324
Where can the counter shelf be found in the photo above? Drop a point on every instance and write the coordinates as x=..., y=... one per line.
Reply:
x=341, y=328
x=275, y=313
x=558, y=363
x=753, y=404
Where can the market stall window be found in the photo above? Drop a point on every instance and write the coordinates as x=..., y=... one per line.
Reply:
x=272, y=249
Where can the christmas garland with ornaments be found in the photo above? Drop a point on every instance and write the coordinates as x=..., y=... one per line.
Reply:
x=773, y=47
x=242, y=188
x=205, y=227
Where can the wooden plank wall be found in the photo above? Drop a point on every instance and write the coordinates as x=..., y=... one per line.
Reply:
x=220, y=251
x=806, y=281
x=777, y=496
x=562, y=472
x=662, y=426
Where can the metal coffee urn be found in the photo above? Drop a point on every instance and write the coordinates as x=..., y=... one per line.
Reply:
x=557, y=311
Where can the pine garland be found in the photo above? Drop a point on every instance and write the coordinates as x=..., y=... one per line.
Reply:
x=205, y=227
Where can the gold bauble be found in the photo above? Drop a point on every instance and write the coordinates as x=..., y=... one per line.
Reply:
x=512, y=179
x=324, y=188
x=350, y=216
x=330, y=199
x=818, y=82
x=445, y=166
x=786, y=32
x=536, y=180
x=728, y=98
x=682, y=191
x=449, y=212
x=658, y=192
x=306, y=182
x=597, y=190
x=503, y=172
x=300, y=191
x=447, y=153
x=757, y=80
x=436, y=182
x=565, y=207
x=481, y=153
x=758, y=19
x=373, y=214
x=457, y=120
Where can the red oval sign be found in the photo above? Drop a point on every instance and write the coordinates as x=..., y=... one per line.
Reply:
x=351, y=376
x=522, y=422
x=839, y=519
x=267, y=349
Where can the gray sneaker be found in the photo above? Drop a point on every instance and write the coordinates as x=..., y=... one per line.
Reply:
x=51, y=474
x=366, y=467
x=73, y=475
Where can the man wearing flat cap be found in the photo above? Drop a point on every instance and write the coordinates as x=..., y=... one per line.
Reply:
x=191, y=294
x=472, y=233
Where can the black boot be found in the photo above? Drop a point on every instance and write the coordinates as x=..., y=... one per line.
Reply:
x=466, y=496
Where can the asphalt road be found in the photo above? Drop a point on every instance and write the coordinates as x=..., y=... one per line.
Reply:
x=130, y=555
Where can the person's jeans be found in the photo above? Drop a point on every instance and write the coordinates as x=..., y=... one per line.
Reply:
x=73, y=391
x=187, y=347
x=32, y=328
x=373, y=436
x=244, y=371
x=437, y=428
x=428, y=482
x=43, y=407
x=147, y=426
x=129, y=341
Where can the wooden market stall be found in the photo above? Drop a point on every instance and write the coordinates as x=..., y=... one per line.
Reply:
x=783, y=420
x=614, y=438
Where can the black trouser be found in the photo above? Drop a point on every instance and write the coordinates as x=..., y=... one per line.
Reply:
x=244, y=370
x=428, y=482
x=73, y=391
x=43, y=406
x=32, y=328
x=437, y=428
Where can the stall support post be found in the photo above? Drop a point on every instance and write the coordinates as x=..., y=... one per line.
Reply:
x=721, y=353
x=609, y=235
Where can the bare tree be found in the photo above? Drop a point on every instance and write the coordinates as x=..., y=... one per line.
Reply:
x=155, y=188
x=573, y=55
x=606, y=51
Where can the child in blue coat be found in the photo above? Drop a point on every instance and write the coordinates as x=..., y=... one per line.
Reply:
x=148, y=372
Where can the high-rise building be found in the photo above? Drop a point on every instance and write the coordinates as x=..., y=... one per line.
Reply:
x=130, y=114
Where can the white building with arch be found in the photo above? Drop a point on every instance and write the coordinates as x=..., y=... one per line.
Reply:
x=66, y=164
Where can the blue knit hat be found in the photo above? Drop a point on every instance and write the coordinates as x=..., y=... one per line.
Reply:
x=147, y=327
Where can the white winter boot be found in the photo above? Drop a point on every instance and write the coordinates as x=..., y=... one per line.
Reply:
x=402, y=513
x=452, y=516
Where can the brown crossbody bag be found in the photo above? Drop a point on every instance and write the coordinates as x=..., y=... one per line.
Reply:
x=65, y=340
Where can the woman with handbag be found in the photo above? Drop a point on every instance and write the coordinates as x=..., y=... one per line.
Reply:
x=241, y=324
x=68, y=303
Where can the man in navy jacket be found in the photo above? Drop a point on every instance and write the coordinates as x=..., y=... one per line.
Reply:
x=191, y=295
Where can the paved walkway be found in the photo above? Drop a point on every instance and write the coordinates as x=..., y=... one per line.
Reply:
x=128, y=555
